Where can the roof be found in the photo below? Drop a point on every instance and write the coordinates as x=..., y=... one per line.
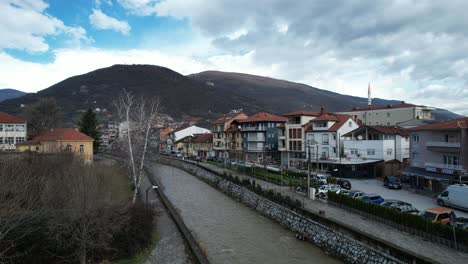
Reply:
x=9, y=119
x=446, y=125
x=388, y=130
x=179, y=129
x=302, y=113
x=382, y=107
x=263, y=117
x=58, y=134
x=232, y=130
x=339, y=120
x=226, y=118
x=202, y=138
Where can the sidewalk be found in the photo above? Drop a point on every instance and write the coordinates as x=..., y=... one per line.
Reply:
x=398, y=239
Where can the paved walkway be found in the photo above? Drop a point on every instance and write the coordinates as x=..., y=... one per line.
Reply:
x=398, y=239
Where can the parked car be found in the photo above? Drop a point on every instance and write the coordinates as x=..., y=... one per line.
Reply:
x=400, y=206
x=355, y=194
x=372, y=198
x=390, y=203
x=344, y=191
x=321, y=178
x=392, y=182
x=461, y=222
x=345, y=184
x=301, y=189
x=454, y=196
x=323, y=190
x=438, y=214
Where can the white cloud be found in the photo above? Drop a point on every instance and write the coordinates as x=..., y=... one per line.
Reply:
x=139, y=7
x=99, y=20
x=24, y=25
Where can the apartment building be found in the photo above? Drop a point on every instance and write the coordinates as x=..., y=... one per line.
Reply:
x=13, y=130
x=384, y=148
x=233, y=143
x=323, y=138
x=291, y=137
x=182, y=132
x=260, y=137
x=438, y=155
x=390, y=115
x=221, y=142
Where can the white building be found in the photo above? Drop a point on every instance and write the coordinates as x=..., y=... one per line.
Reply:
x=180, y=133
x=390, y=115
x=12, y=130
x=323, y=138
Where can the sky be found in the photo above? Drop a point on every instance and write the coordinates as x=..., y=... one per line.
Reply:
x=416, y=51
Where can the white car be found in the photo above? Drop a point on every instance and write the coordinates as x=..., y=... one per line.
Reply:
x=321, y=178
x=323, y=190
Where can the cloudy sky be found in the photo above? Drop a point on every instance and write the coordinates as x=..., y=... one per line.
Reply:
x=415, y=51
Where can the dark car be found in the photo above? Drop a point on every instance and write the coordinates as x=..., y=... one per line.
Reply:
x=372, y=198
x=345, y=184
x=392, y=182
x=392, y=203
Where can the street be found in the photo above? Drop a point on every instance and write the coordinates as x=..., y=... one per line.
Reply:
x=375, y=186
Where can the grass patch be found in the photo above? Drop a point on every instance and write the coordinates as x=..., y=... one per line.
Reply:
x=143, y=256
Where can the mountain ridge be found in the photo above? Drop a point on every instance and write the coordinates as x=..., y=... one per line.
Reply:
x=9, y=93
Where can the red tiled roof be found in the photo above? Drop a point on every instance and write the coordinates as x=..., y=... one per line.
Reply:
x=381, y=107
x=339, y=120
x=9, y=119
x=226, y=118
x=389, y=130
x=302, y=113
x=263, y=117
x=57, y=134
x=446, y=125
x=202, y=138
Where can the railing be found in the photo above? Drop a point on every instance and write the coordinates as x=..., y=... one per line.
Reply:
x=443, y=166
x=253, y=128
x=443, y=144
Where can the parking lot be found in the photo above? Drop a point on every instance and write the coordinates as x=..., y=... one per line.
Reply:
x=421, y=202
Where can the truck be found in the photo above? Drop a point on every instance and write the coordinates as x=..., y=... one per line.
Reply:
x=455, y=196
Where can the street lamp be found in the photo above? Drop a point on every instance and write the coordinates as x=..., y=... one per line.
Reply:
x=154, y=187
x=308, y=144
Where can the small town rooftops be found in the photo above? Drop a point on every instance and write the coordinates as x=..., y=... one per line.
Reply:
x=226, y=118
x=339, y=119
x=453, y=124
x=202, y=138
x=263, y=117
x=9, y=119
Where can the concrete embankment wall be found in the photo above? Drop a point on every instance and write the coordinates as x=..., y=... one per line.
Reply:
x=332, y=242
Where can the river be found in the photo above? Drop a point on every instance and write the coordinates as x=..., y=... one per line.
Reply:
x=228, y=231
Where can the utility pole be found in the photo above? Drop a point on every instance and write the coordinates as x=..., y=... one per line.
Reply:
x=308, y=169
x=316, y=158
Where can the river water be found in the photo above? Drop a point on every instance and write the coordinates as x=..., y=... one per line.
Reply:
x=228, y=231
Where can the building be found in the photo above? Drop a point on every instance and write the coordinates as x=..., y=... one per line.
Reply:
x=233, y=143
x=291, y=137
x=13, y=130
x=384, y=147
x=163, y=136
x=438, y=155
x=221, y=143
x=323, y=138
x=202, y=145
x=260, y=137
x=108, y=136
x=180, y=133
x=390, y=115
x=60, y=140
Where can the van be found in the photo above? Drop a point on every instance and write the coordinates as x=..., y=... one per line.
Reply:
x=439, y=215
x=454, y=196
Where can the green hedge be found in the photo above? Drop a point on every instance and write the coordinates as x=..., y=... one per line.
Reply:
x=409, y=220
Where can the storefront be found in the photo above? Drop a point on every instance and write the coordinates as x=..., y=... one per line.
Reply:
x=428, y=182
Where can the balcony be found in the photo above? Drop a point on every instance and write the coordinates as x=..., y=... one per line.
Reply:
x=442, y=166
x=442, y=144
x=254, y=128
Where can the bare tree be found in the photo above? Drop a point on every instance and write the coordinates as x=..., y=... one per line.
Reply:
x=139, y=116
x=44, y=115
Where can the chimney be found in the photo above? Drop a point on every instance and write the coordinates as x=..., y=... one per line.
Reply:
x=321, y=110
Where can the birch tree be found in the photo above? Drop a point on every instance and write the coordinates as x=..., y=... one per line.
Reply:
x=138, y=116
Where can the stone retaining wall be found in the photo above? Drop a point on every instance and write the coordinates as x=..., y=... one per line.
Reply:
x=333, y=243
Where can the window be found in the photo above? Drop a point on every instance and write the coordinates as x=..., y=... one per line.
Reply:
x=1, y=140
x=444, y=194
x=388, y=114
x=20, y=128
x=325, y=153
x=299, y=145
x=354, y=151
x=334, y=150
x=19, y=139
x=325, y=139
x=9, y=127
x=10, y=140
x=37, y=148
x=371, y=152
x=69, y=148
x=81, y=148
x=1, y=127
x=415, y=138
x=451, y=160
x=389, y=151
x=334, y=137
x=350, y=124
x=450, y=138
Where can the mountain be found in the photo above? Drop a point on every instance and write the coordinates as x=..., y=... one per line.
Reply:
x=204, y=95
x=7, y=93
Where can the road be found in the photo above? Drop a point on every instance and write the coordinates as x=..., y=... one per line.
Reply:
x=421, y=202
